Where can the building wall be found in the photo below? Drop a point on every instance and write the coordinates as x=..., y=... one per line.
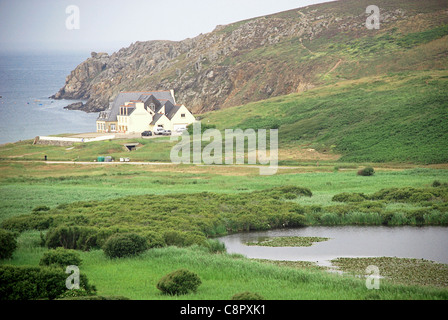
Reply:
x=140, y=119
x=106, y=126
x=179, y=120
x=164, y=122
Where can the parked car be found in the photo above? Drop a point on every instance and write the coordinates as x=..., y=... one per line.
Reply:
x=146, y=133
x=167, y=133
x=159, y=130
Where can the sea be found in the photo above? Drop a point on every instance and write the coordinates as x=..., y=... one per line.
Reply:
x=27, y=81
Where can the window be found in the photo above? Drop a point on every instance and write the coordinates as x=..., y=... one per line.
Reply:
x=182, y=115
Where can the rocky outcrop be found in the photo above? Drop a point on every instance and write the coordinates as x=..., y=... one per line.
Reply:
x=75, y=106
x=237, y=63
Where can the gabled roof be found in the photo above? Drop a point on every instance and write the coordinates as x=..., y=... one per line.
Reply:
x=123, y=97
x=156, y=118
x=171, y=110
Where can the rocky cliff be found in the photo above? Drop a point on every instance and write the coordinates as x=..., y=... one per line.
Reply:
x=258, y=58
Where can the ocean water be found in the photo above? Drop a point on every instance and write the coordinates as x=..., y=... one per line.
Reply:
x=26, y=83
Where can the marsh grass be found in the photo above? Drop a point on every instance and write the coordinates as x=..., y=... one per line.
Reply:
x=287, y=241
x=399, y=270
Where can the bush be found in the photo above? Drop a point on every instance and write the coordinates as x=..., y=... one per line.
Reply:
x=247, y=296
x=182, y=239
x=155, y=240
x=29, y=283
x=349, y=197
x=124, y=245
x=418, y=215
x=179, y=282
x=367, y=171
x=60, y=257
x=8, y=243
x=74, y=293
x=40, y=209
x=386, y=217
x=286, y=192
x=27, y=222
x=421, y=196
x=436, y=183
x=72, y=237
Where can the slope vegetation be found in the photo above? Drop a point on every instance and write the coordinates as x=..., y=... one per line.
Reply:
x=399, y=117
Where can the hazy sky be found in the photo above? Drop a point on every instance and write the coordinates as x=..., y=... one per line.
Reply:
x=108, y=25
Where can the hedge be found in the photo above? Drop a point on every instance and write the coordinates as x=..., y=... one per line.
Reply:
x=30, y=283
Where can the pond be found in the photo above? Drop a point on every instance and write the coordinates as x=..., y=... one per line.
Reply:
x=427, y=242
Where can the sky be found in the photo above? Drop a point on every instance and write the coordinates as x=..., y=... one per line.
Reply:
x=108, y=25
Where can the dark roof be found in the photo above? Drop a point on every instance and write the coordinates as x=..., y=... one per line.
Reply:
x=170, y=110
x=156, y=117
x=123, y=97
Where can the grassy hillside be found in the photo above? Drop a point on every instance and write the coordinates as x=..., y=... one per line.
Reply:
x=400, y=117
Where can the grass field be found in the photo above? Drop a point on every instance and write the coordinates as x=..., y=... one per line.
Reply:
x=26, y=185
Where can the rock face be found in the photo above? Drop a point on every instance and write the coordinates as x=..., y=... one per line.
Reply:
x=75, y=106
x=241, y=62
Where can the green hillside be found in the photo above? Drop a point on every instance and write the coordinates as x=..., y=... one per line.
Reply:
x=401, y=117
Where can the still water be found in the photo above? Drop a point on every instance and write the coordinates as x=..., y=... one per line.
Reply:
x=428, y=242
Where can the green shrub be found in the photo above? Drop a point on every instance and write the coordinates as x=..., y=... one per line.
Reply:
x=286, y=192
x=41, y=209
x=421, y=196
x=27, y=222
x=72, y=237
x=294, y=220
x=29, y=283
x=8, y=243
x=182, y=239
x=386, y=217
x=247, y=296
x=73, y=293
x=349, y=197
x=369, y=206
x=60, y=257
x=155, y=240
x=179, y=282
x=124, y=245
x=418, y=216
x=367, y=171
x=436, y=183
